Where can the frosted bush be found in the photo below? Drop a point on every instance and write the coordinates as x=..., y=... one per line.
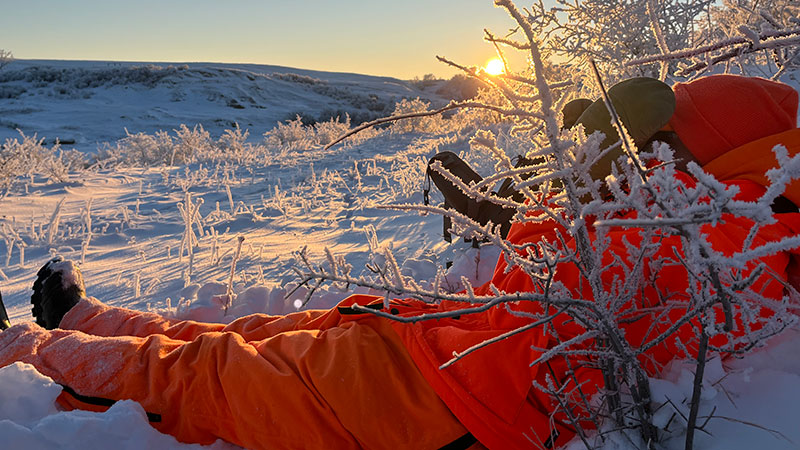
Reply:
x=460, y=87
x=5, y=58
x=430, y=124
x=618, y=35
x=326, y=132
x=66, y=80
x=233, y=144
x=730, y=19
x=292, y=133
x=296, y=78
x=138, y=149
x=160, y=149
x=31, y=157
x=189, y=144
x=612, y=31
x=474, y=118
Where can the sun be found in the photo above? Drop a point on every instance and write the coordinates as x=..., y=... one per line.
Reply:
x=494, y=67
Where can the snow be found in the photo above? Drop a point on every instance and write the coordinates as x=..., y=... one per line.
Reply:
x=69, y=273
x=754, y=401
x=29, y=420
x=301, y=197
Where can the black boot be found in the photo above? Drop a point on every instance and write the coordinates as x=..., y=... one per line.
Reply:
x=58, y=287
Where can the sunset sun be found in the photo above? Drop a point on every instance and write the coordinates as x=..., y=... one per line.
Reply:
x=494, y=67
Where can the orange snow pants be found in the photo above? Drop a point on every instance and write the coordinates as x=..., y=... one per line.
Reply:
x=309, y=380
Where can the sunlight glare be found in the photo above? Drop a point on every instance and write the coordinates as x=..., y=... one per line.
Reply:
x=494, y=67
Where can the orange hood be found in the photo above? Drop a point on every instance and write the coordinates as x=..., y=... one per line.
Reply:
x=717, y=114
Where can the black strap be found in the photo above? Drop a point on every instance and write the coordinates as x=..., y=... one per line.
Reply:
x=426, y=188
x=552, y=439
x=105, y=402
x=349, y=311
x=463, y=443
x=4, y=322
x=783, y=205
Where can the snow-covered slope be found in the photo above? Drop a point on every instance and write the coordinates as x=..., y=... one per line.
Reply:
x=90, y=102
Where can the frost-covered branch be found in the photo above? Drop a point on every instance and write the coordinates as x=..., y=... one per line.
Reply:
x=6, y=58
x=449, y=107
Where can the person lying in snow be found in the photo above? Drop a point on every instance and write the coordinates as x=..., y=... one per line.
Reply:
x=342, y=379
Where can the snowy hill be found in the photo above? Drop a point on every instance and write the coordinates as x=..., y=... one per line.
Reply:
x=90, y=102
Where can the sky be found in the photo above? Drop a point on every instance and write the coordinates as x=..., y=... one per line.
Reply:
x=398, y=38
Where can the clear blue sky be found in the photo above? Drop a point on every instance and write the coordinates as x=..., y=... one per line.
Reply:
x=382, y=37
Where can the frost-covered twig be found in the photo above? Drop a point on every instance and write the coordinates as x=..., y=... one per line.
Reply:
x=55, y=220
x=229, y=291
x=190, y=213
x=697, y=389
x=659, y=35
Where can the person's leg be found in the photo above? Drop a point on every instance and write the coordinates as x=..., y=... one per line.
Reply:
x=352, y=386
x=96, y=318
x=59, y=301
x=480, y=211
x=454, y=197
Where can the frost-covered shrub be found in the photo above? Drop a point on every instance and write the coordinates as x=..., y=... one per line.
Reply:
x=427, y=124
x=292, y=133
x=11, y=91
x=733, y=18
x=5, y=58
x=623, y=36
x=475, y=118
x=233, y=144
x=296, y=78
x=138, y=149
x=326, y=132
x=428, y=80
x=74, y=78
x=460, y=87
x=729, y=15
x=31, y=157
x=612, y=32
x=190, y=143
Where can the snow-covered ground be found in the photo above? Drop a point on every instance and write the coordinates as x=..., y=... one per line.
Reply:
x=126, y=226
